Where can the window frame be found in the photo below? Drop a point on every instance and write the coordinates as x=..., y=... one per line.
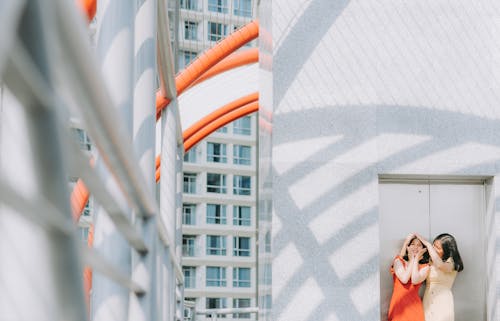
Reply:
x=240, y=159
x=220, y=6
x=239, y=282
x=216, y=152
x=238, y=218
x=239, y=187
x=219, y=189
x=188, y=247
x=240, y=127
x=189, y=186
x=220, y=280
x=238, y=250
x=220, y=249
x=219, y=216
x=190, y=280
x=189, y=214
x=216, y=36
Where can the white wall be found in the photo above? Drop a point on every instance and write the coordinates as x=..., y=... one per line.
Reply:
x=362, y=88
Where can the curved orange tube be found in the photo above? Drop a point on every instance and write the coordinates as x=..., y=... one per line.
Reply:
x=87, y=271
x=89, y=7
x=219, y=113
x=208, y=59
x=235, y=60
x=219, y=122
x=210, y=118
x=78, y=199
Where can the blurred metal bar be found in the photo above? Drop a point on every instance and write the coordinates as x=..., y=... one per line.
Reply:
x=96, y=109
x=144, y=307
x=108, y=269
x=165, y=64
x=79, y=163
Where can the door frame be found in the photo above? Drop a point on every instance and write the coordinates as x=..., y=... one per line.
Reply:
x=487, y=220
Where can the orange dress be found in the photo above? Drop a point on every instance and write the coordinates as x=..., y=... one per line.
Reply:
x=406, y=304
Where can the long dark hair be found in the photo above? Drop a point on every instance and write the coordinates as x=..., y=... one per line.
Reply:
x=450, y=249
x=425, y=256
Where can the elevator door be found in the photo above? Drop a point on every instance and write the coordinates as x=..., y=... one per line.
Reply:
x=432, y=208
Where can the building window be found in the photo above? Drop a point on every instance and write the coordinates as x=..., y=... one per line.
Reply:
x=216, y=153
x=190, y=156
x=216, y=245
x=190, y=30
x=216, y=303
x=216, y=183
x=241, y=303
x=241, y=246
x=87, y=209
x=189, y=214
x=241, y=277
x=189, y=4
x=241, y=215
x=216, y=31
x=189, y=313
x=242, y=8
x=216, y=276
x=217, y=6
x=82, y=139
x=241, y=185
x=84, y=234
x=188, y=245
x=242, y=126
x=242, y=154
x=189, y=276
x=222, y=129
x=185, y=58
x=216, y=214
x=189, y=183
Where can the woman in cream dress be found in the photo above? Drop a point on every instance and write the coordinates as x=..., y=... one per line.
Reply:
x=446, y=263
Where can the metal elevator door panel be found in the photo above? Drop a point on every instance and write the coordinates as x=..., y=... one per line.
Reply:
x=404, y=208
x=458, y=209
x=431, y=208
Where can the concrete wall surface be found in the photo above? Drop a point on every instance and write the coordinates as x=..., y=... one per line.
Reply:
x=361, y=89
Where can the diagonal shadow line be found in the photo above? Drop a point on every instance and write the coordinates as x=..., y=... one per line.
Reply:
x=308, y=32
x=330, y=120
x=420, y=149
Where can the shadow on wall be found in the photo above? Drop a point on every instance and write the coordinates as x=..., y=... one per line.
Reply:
x=332, y=262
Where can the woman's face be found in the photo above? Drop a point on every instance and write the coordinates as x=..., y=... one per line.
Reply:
x=438, y=247
x=414, y=246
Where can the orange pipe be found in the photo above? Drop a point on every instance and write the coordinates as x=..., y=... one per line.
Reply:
x=87, y=271
x=210, y=118
x=208, y=59
x=78, y=199
x=219, y=113
x=88, y=7
x=235, y=60
x=219, y=122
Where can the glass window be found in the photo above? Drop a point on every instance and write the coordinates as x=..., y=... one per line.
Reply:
x=190, y=30
x=189, y=214
x=216, y=303
x=185, y=58
x=241, y=215
x=190, y=156
x=216, y=276
x=241, y=185
x=82, y=139
x=242, y=126
x=216, y=214
x=217, y=6
x=241, y=303
x=216, y=153
x=241, y=246
x=222, y=129
x=189, y=4
x=87, y=209
x=242, y=154
x=216, y=245
x=84, y=234
x=216, y=183
x=189, y=276
x=189, y=183
x=188, y=245
x=216, y=31
x=241, y=277
x=242, y=8
x=189, y=309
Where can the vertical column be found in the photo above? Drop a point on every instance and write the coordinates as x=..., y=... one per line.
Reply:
x=143, y=308
x=40, y=276
x=115, y=50
x=168, y=188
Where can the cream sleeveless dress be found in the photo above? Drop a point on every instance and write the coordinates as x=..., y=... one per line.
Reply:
x=438, y=299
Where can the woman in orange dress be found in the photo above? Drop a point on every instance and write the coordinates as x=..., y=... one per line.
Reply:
x=409, y=270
